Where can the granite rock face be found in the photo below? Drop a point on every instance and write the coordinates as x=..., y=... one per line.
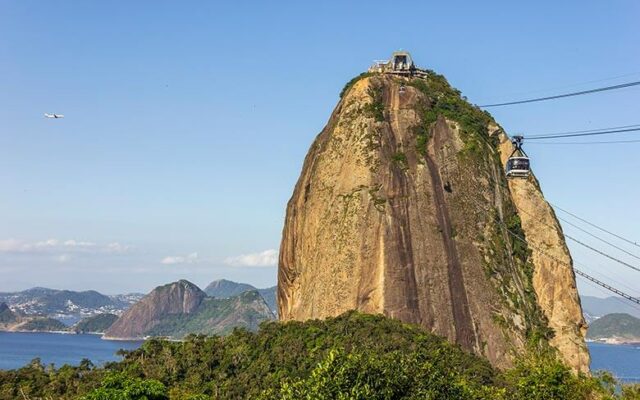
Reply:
x=182, y=297
x=553, y=280
x=403, y=208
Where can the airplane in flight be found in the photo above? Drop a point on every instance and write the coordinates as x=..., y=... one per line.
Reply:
x=47, y=115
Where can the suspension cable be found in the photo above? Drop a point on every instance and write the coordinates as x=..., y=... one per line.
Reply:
x=595, y=226
x=599, y=238
x=577, y=271
x=602, y=253
x=602, y=89
x=609, y=132
x=587, y=130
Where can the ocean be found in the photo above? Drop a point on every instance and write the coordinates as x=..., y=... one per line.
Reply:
x=623, y=360
x=17, y=349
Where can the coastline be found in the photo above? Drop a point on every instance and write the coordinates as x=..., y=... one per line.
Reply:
x=615, y=341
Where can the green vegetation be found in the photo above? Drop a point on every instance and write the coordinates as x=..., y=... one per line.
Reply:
x=118, y=386
x=421, y=133
x=445, y=101
x=622, y=326
x=43, y=324
x=401, y=159
x=95, y=324
x=375, y=109
x=353, y=356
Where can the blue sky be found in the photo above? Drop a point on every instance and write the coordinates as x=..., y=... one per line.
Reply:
x=187, y=122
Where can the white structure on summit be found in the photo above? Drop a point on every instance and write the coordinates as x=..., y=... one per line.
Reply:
x=400, y=63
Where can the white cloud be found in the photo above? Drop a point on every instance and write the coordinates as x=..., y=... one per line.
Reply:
x=64, y=247
x=188, y=259
x=267, y=258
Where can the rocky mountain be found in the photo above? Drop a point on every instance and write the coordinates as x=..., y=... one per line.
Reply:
x=181, y=308
x=403, y=208
x=223, y=289
x=216, y=316
x=95, y=324
x=67, y=305
x=596, y=307
x=615, y=328
x=181, y=297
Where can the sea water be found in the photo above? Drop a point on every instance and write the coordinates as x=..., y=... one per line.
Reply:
x=18, y=349
x=622, y=360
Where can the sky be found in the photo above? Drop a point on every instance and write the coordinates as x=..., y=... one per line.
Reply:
x=186, y=123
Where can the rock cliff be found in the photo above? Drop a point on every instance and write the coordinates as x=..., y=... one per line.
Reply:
x=403, y=208
x=182, y=297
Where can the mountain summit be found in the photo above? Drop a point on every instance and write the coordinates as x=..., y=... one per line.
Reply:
x=181, y=297
x=403, y=208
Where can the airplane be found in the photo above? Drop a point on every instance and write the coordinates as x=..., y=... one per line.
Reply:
x=47, y=115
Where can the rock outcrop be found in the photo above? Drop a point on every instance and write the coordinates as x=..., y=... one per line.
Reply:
x=403, y=208
x=217, y=317
x=181, y=308
x=182, y=297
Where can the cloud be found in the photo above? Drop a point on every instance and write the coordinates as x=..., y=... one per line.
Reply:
x=63, y=247
x=188, y=259
x=267, y=258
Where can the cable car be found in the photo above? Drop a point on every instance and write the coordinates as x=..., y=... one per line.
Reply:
x=518, y=164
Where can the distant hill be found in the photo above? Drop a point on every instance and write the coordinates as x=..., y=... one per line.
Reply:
x=619, y=327
x=269, y=296
x=42, y=324
x=223, y=289
x=181, y=308
x=596, y=307
x=6, y=315
x=67, y=305
x=95, y=324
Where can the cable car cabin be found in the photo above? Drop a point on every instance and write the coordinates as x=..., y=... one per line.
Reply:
x=518, y=167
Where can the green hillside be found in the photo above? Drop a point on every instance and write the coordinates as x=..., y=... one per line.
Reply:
x=622, y=326
x=95, y=324
x=43, y=324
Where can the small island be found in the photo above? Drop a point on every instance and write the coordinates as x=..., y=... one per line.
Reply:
x=617, y=328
